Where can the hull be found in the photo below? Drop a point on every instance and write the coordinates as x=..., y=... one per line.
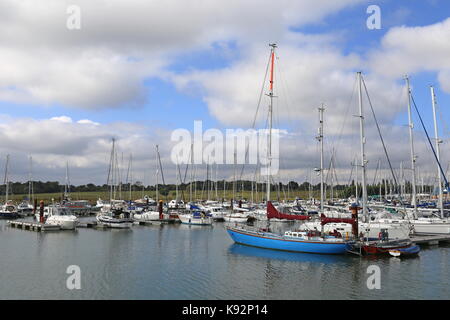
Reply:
x=146, y=216
x=405, y=252
x=117, y=223
x=276, y=242
x=64, y=224
x=384, y=248
x=235, y=219
x=188, y=219
x=9, y=215
x=432, y=228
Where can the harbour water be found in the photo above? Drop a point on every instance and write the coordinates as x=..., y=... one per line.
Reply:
x=200, y=262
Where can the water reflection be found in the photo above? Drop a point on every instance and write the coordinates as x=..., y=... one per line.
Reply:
x=239, y=249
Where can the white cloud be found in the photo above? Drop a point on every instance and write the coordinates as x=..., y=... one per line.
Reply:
x=65, y=119
x=406, y=50
x=87, y=121
x=121, y=43
x=307, y=74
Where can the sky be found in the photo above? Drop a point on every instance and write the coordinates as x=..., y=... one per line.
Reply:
x=138, y=70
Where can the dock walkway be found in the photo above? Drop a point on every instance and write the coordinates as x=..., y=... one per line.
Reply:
x=33, y=226
x=430, y=239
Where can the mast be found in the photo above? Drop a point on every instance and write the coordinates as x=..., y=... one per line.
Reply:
x=176, y=185
x=356, y=181
x=363, y=154
x=157, y=174
x=215, y=184
x=402, y=182
x=411, y=142
x=438, y=141
x=111, y=169
x=130, y=173
x=30, y=182
x=6, y=179
x=320, y=138
x=67, y=187
x=269, y=149
x=332, y=176
x=192, y=172
x=310, y=185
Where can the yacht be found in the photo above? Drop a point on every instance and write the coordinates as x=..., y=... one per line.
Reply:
x=9, y=211
x=60, y=216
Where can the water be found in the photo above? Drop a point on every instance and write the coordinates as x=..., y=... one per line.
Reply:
x=200, y=262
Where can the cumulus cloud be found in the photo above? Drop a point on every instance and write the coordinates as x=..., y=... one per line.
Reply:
x=121, y=43
x=65, y=119
x=406, y=50
x=307, y=74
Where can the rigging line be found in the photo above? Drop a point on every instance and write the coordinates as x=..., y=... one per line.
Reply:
x=338, y=140
x=160, y=165
x=334, y=168
x=376, y=172
x=431, y=145
x=351, y=173
x=187, y=166
x=379, y=132
x=285, y=88
x=258, y=106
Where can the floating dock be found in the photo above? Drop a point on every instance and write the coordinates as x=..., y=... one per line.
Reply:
x=33, y=226
x=155, y=222
x=430, y=239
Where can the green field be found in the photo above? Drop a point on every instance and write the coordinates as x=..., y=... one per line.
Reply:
x=93, y=196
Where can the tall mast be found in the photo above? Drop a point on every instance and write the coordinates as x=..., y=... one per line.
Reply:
x=438, y=141
x=320, y=138
x=111, y=170
x=157, y=174
x=402, y=181
x=192, y=172
x=269, y=149
x=363, y=154
x=356, y=181
x=130, y=173
x=411, y=142
x=176, y=185
x=310, y=184
x=217, y=196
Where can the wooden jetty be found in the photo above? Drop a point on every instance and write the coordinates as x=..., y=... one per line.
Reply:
x=33, y=226
x=430, y=239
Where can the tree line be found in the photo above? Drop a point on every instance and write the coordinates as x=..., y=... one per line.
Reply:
x=343, y=191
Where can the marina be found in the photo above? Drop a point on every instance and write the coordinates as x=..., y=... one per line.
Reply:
x=225, y=150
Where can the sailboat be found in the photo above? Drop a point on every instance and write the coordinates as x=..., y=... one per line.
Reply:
x=115, y=217
x=434, y=225
x=8, y=210
x=296, y=241
x=26, y=206
x=147, y=214
x=383, y=245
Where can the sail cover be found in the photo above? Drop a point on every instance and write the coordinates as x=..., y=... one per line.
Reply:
x=274, y=213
